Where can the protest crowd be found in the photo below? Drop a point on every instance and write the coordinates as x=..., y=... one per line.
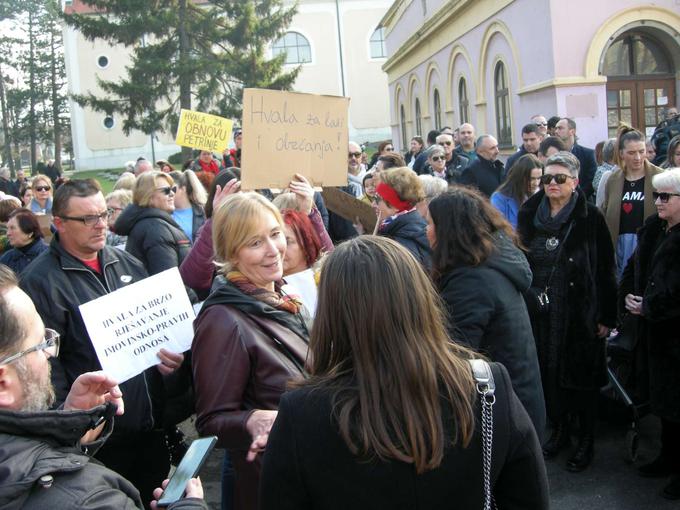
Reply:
x=443, y=350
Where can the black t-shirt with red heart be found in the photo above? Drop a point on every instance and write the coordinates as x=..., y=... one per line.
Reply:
x=632, y=206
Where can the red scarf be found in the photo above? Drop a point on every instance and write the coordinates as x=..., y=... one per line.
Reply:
x=290, y=304
x=211, y=167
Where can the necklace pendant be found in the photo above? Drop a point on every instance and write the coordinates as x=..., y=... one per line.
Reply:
x=552, y=243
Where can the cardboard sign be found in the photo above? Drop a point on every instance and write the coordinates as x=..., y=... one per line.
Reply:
x=349, y=207
x=285, y=133
x=129, y=326
x=203, y=131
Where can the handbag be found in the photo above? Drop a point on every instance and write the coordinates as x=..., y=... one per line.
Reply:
x=486, y=387
x=537, y=298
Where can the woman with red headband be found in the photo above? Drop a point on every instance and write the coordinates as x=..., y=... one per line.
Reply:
x=396, y=197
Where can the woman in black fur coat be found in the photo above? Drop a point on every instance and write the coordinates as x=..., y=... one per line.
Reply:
x=572, y=259
x=650, y=288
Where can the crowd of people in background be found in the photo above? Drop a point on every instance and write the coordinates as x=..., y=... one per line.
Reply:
x=326, y=354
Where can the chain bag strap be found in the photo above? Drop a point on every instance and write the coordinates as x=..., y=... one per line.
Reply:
x=486, y=388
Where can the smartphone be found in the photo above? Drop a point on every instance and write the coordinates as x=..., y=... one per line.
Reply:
x=189, y=467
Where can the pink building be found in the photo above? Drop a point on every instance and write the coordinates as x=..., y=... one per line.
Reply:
x=495, y=63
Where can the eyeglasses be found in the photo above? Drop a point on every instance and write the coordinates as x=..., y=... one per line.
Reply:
x=89, y=220
x=664, y=197
x=50, y=345
x=43, y=188
x=355, y=154
x=166, y=190
x=438, y=158
x=112, y=210
x=558, y=178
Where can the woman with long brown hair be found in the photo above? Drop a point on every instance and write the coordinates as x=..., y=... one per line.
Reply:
x=482, y=274
x=388, y=417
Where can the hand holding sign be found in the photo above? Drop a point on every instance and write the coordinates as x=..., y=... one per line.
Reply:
x=304, y=193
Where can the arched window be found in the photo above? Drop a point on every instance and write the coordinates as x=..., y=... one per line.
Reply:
x=402, y=121
x=295, y=46
x=502, y=94
x=463, y=103
x=419, y=120
x=377, y=43
x=437, y=110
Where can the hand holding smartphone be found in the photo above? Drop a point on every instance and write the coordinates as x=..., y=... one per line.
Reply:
x=189, y=467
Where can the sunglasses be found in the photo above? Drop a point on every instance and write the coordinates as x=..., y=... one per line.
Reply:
x=389, y=149
x=558, y=178
x=447, y=143
x=42, y=188
x=541, y=123
x=438, y=158
x=166, y=190
x=664, y=197
x=355, y=154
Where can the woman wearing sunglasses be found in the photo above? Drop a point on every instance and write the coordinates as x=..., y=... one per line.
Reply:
x=436, y=159
x=153, y=236
x=650, y=289
x=572, y=302
x=42, y=195
x=628, y=194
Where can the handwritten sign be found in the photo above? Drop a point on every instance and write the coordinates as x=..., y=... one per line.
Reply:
x=129, y=326
x=286, y=133
x=349, y=207
x=203, y=131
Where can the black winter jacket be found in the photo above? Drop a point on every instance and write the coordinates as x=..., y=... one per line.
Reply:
x=58, y=284
x=153, y=237
x=308, y=465
x=654, y=273
x=588, y=261
x=409, y=231
x=33, y=445
x=17, y=259
x=483, y=174
x=488, y=314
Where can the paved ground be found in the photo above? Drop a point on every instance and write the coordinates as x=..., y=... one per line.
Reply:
x=610, y=483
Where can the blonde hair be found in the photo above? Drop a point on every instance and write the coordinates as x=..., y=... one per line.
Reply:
x=405, y=182
x=125, y=181
x=41, y=177
x=145, y=186
x=234, y=223
x=122, y=196
x=286, y=200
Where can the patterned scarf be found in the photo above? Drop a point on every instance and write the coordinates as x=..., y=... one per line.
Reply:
x=290, y=304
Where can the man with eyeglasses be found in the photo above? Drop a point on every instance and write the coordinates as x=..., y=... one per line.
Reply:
x=45, y=455
x=77, y=268
x=455, y=163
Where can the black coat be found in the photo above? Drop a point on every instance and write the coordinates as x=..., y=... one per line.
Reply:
x=587, y=258
x=409, y=231
x=153, y=237
x=654, y=273
x=17, y=259
x=588, y=163
x=483, y=174
x=488, y=313
x=512, y=159
x=307, y=464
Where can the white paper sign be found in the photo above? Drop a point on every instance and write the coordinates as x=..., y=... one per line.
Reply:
x=303, y=285
x=129, y=326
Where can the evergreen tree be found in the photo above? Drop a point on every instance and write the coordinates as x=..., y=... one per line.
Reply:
x=184, y=55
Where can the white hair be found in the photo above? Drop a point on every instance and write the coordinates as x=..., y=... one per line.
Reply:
x=667, y=179
x=432, y=186
x=4, y=172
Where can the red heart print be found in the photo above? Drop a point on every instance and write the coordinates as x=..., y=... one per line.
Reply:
x=627, y=208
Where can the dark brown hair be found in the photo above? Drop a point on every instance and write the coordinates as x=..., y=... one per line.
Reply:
x=625, y=134
x=7, y=206
x=73, y=188
x=465, y=225
x=27, y=222
x=388, y=367
x=392, y=160
x=516, y=183
x=220, y=179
